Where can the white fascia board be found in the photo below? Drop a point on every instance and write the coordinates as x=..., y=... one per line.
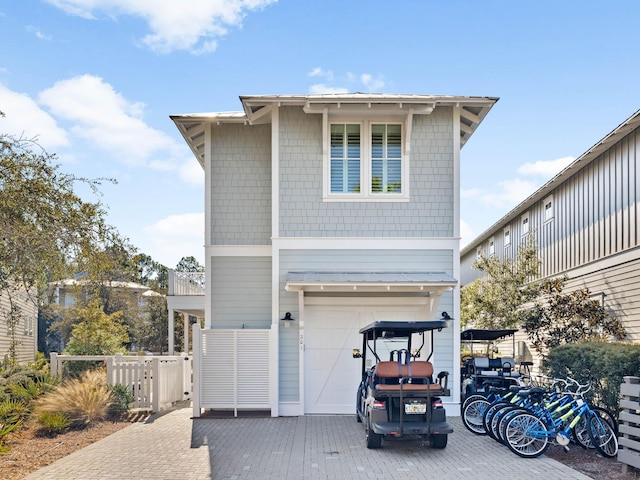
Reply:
x=345, y=243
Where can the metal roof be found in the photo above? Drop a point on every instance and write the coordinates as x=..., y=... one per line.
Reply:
x=370, y=281
x=257, y=109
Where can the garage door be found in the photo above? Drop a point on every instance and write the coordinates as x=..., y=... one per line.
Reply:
x=331, y=374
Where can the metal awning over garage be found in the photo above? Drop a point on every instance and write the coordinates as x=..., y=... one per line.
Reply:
x=429, y=283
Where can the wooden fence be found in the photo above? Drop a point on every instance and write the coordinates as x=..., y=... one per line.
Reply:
x=629, y=436
x=156, y=382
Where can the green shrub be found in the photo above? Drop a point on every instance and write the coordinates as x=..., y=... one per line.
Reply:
x=603, y=364
x=121, y=399
x=83, y=400
x=53, y=423
x=13, y=410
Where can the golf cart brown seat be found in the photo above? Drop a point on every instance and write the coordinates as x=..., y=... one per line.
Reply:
x=393, y=376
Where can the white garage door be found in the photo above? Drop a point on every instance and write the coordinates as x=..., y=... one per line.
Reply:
x=331, y=374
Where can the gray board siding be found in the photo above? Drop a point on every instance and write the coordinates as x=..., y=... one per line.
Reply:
x=26, y=331
x=595, y=214
x=241, y=184
x=352, y=260
x=303, y=213
x=241, y=292
x=619, y=284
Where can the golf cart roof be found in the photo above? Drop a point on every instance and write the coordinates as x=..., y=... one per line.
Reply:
x=402, y=328
x=478, y=335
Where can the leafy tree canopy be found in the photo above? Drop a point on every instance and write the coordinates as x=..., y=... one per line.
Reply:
x=493, y=300
x=97, y=333
x=559, y=318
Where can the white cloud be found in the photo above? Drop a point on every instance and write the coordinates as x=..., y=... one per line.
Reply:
x=104, y=118
x=320, y=88
x=177, y=236
x=466, y=234
x=192, y=172
x=509, y=194
x=25, y=118
x=370, y=83
x=545, y=168
x=39, y=35
x=347, y=82
x=193, y=25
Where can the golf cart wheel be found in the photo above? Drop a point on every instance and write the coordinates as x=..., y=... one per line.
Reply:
x=374, y=440
x=358, y=419
x=439, y=441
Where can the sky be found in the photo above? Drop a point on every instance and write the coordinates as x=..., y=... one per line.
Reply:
x=95, y=81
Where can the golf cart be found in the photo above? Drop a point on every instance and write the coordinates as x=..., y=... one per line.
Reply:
x=482, y=369
x=397, y=396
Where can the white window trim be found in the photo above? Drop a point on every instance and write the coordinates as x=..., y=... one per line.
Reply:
x=365, y=123
x=491, y=247
x=506, y=234
x=528, y=223
x=547, y=201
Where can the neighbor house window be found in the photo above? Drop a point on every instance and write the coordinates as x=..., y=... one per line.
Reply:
x=507, y=238
x=492, y=247
x=366, y=161
x=548, y=209
x=525, y=225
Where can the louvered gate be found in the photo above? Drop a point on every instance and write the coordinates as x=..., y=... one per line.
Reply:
x=233, y=369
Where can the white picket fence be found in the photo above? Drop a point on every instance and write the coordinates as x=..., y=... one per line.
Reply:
x=156, y=382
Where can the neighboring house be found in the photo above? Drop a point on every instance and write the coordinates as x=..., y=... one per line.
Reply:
x=25, y=331
x=324, y=213
x=68, y=292
x=585, y=224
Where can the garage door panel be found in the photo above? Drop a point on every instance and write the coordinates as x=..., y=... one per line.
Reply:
x=332, y=374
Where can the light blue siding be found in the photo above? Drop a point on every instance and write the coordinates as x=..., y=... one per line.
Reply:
x=303, y=213
x=241, y=292
x=241, y=184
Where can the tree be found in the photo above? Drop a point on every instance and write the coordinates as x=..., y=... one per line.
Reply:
x=154, y=328
x=97, y=333
x=559, y=318
x=494, y=300
x=46, y=229
x=189, y=264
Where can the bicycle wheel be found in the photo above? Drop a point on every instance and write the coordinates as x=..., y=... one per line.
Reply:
x=471, y=398
x=489, y=414
x=580, y=432
x=494, y=424
x=526, y=435
x=504, y=419
x=472, y=416
x=603, y=436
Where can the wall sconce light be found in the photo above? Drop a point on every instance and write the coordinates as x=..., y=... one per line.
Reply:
x=287, y=319
x=447, y=318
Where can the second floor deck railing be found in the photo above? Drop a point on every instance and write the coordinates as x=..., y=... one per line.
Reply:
x=186, y=283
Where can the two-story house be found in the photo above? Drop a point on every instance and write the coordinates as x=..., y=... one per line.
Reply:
x=324, y=213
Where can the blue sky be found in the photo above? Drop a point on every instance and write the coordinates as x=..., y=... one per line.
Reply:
x=96, y=81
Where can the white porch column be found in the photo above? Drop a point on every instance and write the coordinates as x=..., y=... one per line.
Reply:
x=186, y=333
x=171, y=332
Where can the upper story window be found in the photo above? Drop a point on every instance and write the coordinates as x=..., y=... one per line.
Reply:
x=507, y=237
x=366, y=162
x=492, y=247
x=524, y=225
x=548, y=209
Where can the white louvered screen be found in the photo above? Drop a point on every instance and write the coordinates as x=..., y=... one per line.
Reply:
x=235, y=369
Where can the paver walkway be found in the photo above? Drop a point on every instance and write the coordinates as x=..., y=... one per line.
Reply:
x=172, y=446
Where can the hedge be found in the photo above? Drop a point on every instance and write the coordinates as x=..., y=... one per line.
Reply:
x=603, y=364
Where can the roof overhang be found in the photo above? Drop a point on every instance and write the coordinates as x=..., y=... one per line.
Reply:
x=257, y=110
x=426, y=283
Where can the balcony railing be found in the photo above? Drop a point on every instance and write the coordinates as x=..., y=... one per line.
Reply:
x=186, y=283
